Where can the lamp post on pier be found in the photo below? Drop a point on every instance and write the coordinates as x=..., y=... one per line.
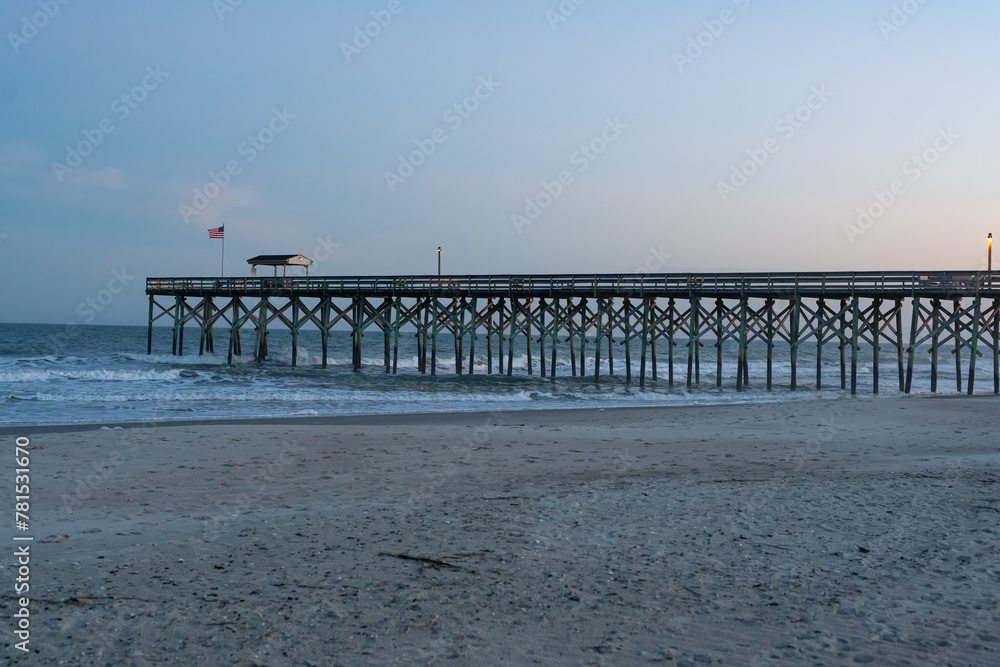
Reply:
x=439, y=261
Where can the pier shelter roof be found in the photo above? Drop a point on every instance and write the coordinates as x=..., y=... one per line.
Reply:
x=283, y=261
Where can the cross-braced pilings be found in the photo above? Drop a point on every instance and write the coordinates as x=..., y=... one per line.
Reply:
x=666, y=318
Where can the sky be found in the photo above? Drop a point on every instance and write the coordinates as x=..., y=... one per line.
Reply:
x=523, y=136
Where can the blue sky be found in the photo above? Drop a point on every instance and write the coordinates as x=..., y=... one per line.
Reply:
x=689, y=136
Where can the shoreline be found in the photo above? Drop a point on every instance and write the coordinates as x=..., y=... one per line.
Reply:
x=451, y=417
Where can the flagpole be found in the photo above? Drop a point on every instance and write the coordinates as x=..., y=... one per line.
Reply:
x=223, y=254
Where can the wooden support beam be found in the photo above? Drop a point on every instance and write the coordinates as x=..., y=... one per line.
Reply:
x=645, y=341
x=820, y=335
x=527, y=334
x=671, y=324
x=511, y=324
x=541, y=337
x=796, y=306
x=611, y=337
x=356, y=319
x=417, y=317
x=656, y=322
x=770, y=342
x=627, y=320
x=423, y=319
x=747, y=331
x=571, y=329
x=652, y=354
x=183, y=314
x=395, y=334
x=325, y=329
x=459, y=334
x=149, y=332
x=239, y=331
x=974, y=349
x=473, y=325
x=489, y=337
x=206, y=326
x=385, y=315
x=843, y=345
x=232, y=340
x=600, y=336
x=741, y=361
x=958, y=343
x=855, y=316
x=996, y=346
x=697, y=353
x=257, y=333
x=234, y=330
x=555, y=334
x=876, y=339
x=176, y=309
x=210, y=331
x=500, y=328
x=267, y=333
x=899, y=344
x=202, y=324
x=719, y=334
x=295, y=331
x=260, y=345
x=935, y=323
x=911, y=350
x=693, y=328
x=434, y=336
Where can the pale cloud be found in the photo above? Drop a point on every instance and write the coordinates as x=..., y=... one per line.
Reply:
x=20, y=158
x=23, y=165
x=231, y=198
x=110, y=178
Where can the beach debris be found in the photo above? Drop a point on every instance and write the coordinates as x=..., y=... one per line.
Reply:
x=774, y=546
x=421, y=559
x=601, y=649
x=76, y=600
x=726, y=481
x=433, y=562
x=84, y=600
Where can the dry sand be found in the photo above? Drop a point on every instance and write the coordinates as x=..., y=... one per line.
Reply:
x=817, y=532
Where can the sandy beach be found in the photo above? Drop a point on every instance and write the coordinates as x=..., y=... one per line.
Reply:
x=814, y=533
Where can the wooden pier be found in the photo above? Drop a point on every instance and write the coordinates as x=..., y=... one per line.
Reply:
x=670, y=318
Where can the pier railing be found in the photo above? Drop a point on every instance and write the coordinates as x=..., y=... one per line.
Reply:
x=929, y=283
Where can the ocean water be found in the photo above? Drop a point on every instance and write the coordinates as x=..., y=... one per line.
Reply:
x=51, y=374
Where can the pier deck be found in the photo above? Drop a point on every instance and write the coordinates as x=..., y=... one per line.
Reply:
x=955, y=311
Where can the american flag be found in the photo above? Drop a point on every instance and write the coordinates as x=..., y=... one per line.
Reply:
x=216, y=233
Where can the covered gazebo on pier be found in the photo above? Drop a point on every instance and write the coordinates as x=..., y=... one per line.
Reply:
x=283, y=261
